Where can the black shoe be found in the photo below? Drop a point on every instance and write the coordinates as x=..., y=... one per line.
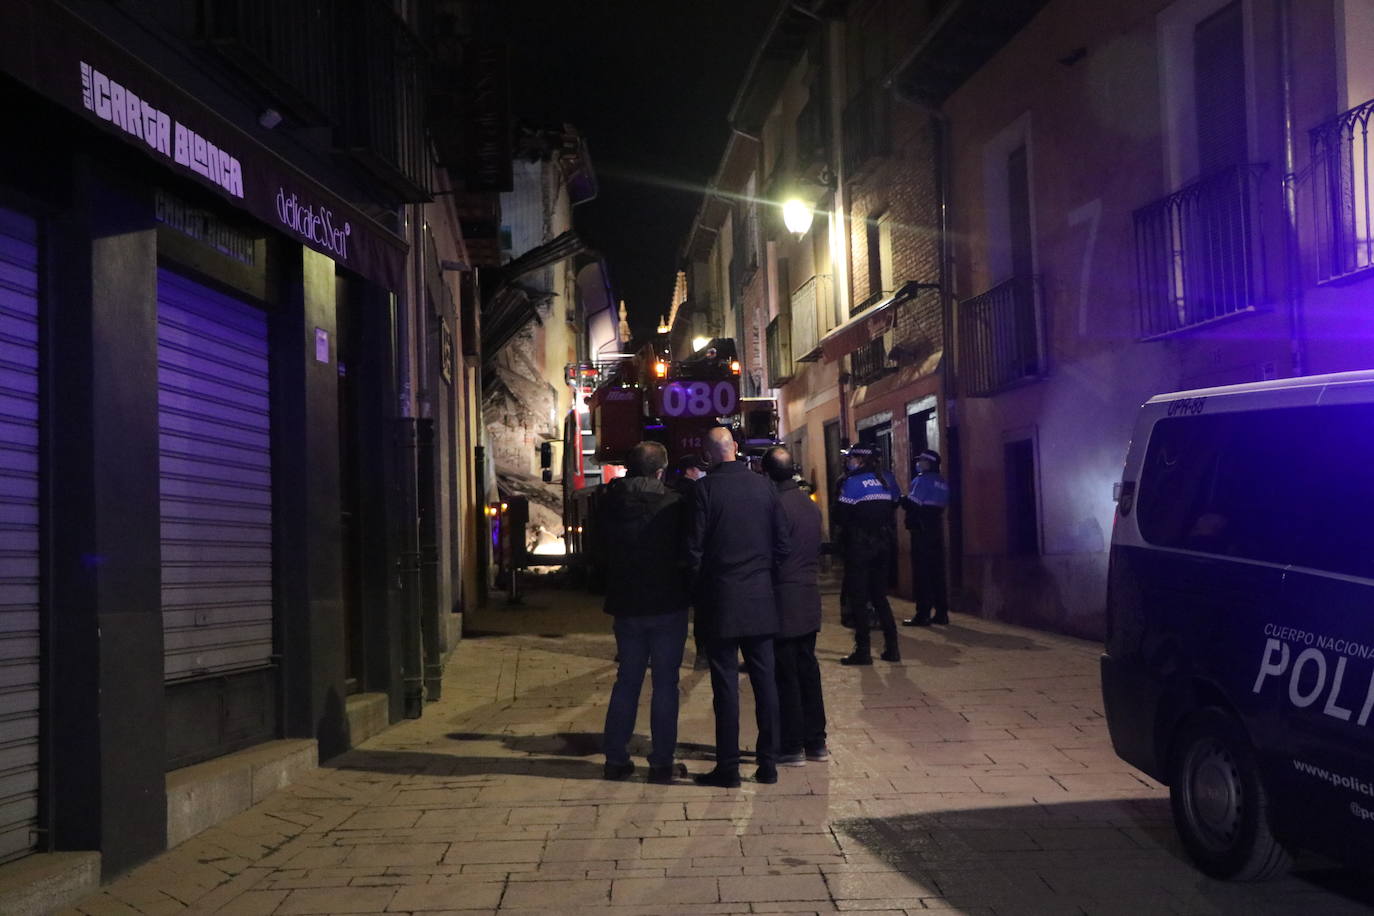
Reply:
x=721, y=779
x=664, y=776
x=617, y=772
x=767, y=774
x=891, y=655
x=857, y=658
x=941, y=619
x=917, y=621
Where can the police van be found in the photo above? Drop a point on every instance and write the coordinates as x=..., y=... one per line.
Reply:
x=1239, y=663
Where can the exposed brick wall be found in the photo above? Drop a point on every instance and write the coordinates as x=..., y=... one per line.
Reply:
x=904, y=186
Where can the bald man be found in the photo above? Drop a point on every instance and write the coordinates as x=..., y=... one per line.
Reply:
x=737, y=540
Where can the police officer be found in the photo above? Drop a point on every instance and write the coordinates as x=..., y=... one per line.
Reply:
x=925, y=510
x=865, y=510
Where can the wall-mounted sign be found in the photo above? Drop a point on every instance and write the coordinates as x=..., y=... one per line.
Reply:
x=205, y=227
x=62, y=57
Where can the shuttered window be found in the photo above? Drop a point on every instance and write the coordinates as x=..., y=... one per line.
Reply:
x=19, y=534
x=216, y=481
x=1219, y=90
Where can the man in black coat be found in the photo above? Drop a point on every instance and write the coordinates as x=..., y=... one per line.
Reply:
x=737, y=541
x=800, y=702
x=641, y=532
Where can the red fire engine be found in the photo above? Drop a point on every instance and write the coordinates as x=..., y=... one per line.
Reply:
x=647, y=396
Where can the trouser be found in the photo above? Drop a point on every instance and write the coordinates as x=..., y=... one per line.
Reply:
x=928, y=574
x=801, y=707
x=866, y=568
x=659, y=639
x=758, y=661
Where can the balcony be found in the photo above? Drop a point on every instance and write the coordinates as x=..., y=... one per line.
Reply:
x=868, y=363
x=866, y=128
x=781, y=367
x=384, y=124
x=1341, y=184
x=811, y=303
x=290, y=49
x=1198, y=253
x=358, y=67
x=1001, y=340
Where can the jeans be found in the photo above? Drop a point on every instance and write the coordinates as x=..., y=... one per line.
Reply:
x=801, y=706
x=758, y=661
x=660, y=638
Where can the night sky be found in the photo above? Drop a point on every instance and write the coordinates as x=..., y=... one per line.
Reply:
x=649, y=83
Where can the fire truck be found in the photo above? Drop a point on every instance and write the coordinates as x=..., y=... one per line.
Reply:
x=648, y=396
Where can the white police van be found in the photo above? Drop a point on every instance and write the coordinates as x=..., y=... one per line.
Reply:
x=1239, y=663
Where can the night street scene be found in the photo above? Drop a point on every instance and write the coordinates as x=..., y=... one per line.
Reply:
x=686, y=457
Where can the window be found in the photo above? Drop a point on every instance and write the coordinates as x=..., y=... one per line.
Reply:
x=874, y=249
x=1219, y=90
x=1280, y=486
x=1023, y=517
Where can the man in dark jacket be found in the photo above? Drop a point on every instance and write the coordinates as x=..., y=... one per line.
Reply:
x=646, y=591
x=738, y=539
x=797, y=588
x=688, y=470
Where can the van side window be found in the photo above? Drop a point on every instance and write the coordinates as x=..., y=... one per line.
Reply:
x=1211, y=485
x=1293, y=486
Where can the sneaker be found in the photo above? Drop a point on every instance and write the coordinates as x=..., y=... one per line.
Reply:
x=819, y=755
x=617, y=772
x=856, y=658
x=721, y=779
x=797, y=759
x=767, y=774
x=917, y=621
x=666, y=775
x=891, y=655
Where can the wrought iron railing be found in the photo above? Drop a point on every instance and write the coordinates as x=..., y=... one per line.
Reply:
x=869, y=363
x=1001, y=338
x=866, y=127
x=1198, y=252
x=289, y=48
x=385, y=125
x=781, y=367
x=1341, y=184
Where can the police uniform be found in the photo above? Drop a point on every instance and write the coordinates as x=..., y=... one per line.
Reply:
x=865, y=511
x=925, y=510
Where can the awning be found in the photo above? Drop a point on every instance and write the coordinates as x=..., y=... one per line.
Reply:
x=868, y=325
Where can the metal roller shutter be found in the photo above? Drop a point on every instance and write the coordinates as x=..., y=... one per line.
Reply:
x=19, y=534
x=216, y=481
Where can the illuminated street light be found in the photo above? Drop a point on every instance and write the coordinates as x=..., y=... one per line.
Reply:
x=797, y=215
x=699, y=342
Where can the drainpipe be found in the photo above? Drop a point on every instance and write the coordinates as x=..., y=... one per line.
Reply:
x=949, y=380
x=1297, y=339
x=408, y=561
x=426, y=489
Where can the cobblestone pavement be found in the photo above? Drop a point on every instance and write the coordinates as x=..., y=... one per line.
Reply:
x=974, y=777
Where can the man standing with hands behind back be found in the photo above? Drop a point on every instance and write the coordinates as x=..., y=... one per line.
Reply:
x=738, y=538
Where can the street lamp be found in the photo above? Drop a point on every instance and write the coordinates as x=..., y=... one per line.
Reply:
x=699, y=342
x=797, y=215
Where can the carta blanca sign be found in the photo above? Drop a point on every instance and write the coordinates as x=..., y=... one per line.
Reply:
x=118, y=104
x=60, y=56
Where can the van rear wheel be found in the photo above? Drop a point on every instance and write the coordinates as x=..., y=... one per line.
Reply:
x=1221, y=809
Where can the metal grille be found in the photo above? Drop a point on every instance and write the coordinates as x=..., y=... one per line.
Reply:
x=1345, y=225
x=869, y=363
x=216, y=474
x=1000, y=338
x=1198, y=257
x=865, y=123
x=19, y=535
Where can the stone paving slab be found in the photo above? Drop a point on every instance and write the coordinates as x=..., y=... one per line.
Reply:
x=976, y=777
